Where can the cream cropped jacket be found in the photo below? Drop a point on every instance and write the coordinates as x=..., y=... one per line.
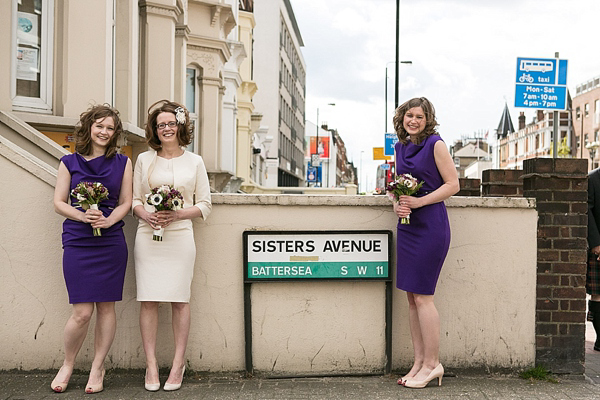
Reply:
x=190, y=178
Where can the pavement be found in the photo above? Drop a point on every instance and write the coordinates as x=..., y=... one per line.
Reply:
x=128, y=384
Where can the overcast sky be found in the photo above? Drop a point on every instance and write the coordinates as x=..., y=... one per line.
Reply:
x=463, y=55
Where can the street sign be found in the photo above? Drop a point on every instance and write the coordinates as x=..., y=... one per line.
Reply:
x=311, y=174
x=378, y=154
x=315, y=160
x=541, y=83
x=390, y=142
x=385, y=167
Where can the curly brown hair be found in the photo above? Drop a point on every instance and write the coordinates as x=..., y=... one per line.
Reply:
x=184, y=131
x=430, y=121
x=83, y=129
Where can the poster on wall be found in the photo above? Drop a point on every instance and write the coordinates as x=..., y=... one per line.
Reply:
x=323, y=147
x=27, y=29
x=27, y=64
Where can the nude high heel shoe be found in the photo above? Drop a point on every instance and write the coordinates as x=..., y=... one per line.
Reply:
x=437, y=372
x=151, y=387
x=59, y=387
x=174, y=386
x=90, y=389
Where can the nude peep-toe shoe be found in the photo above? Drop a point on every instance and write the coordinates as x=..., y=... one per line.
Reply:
x=174, y=386
x=437, y=372
x=151, y=387
x=59, y=387
x=91, y=389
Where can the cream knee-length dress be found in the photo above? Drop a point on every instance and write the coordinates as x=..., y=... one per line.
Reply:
x=164, y=270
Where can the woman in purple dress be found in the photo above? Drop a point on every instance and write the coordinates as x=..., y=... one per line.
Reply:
x=93, y=266
x=423, y=244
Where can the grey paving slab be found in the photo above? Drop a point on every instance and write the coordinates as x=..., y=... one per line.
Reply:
x=129, y=385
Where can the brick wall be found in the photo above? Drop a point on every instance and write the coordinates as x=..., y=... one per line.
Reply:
x=469, y=187
x=560, y=189
x=502, y=182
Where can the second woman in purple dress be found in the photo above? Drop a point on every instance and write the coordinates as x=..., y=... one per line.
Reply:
x=423, y=244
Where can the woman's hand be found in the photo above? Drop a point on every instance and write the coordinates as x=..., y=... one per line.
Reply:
x=102, y=222
x=166, y=217
x=410, y=201
x=150, y=218
x=91, y=216
x=401, y=210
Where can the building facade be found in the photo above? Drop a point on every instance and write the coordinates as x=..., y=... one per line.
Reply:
x=282, y=89
x=130, y=54
x=534, y=139
x=586, y=120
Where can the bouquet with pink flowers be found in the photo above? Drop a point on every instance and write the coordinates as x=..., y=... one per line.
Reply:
x=404, y=185
x=89, y=195
x=164, y=198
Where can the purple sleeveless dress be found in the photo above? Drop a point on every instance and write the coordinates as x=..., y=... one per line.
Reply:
x=94, y=266
x=421, y=246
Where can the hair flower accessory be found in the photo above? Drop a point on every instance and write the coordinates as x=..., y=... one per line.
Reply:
x=180, y=115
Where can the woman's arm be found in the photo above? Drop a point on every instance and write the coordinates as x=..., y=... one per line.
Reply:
x=124, y=204
x=451, y=186
x=61, y=198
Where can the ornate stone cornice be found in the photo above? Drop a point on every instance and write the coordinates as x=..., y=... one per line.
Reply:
x=182, y=30
x=150, y=7
x=205, y=43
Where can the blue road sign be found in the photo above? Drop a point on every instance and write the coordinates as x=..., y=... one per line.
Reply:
x=385, y=166
x=390, y=141
x=550, y=97
x=541, y=83
x=311, y=174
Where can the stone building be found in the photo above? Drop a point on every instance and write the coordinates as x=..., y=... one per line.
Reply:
x=586, y=120
x=130, y=54
x=281, y=79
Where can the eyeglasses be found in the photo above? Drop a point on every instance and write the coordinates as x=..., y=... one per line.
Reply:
x=171, y=125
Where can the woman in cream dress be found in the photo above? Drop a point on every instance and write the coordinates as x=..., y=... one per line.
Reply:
x=164, y=269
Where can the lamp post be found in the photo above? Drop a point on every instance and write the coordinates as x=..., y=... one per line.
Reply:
x=592, y=147
x=317, y=144
x=361, y=172
x=386, y=89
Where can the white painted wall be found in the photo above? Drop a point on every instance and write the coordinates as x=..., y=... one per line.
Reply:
x=486, y=294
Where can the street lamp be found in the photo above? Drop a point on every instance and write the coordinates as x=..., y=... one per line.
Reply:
x=317, y=143
x=592, y=147
x=386, y=89
x=361, y=171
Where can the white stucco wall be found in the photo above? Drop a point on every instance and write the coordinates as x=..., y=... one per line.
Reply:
x=486, y=293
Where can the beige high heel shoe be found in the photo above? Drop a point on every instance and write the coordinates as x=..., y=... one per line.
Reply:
x=437, y=372
x=174, y=386
x=59, y=387
x=90, y=389
x=151, y=387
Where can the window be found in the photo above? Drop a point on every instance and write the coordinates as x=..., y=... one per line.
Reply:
x=192, y=104
x=578, y=113
x=597, y=111
x=32, y=49
x=587, y=109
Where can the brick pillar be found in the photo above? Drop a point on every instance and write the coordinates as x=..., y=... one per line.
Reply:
x=560, y=189
x=502, y=183
x=468, y=187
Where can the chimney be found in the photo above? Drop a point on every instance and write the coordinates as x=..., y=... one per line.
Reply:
x=521, y=120
x=540, y=115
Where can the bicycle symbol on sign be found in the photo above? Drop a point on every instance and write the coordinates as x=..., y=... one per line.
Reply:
x=526, y=78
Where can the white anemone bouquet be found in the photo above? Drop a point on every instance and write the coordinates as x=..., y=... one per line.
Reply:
x=164, y=198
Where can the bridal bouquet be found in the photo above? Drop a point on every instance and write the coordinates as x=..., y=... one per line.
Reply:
x=89, y=195
x=164, y=198
x=405, y=184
